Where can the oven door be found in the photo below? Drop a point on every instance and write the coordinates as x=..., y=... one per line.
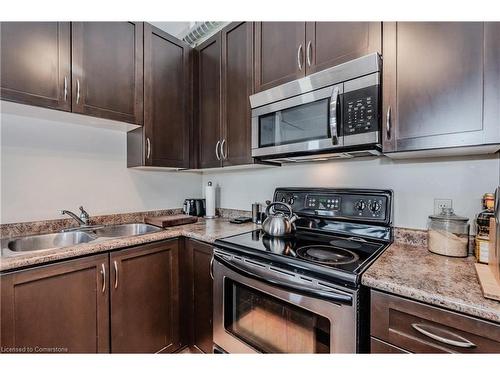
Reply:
x=257, y=312
x=303, y=123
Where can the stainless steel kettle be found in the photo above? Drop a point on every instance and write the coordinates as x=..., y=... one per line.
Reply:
x=279, y=224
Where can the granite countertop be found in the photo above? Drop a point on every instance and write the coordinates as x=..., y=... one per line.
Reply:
x=203, y=230
x=413, y=272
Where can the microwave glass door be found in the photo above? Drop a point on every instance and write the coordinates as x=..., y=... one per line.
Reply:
x=301, y=123
x=271, y=325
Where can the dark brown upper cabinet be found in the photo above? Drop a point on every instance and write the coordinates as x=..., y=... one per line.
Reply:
x=209, y=102
x=144, y=284
x=64, y=306
x=35, y=63
x=237, y=85
x=440, y=86
x=164, y=139
x=285, y=51
x=225, y=81
x=107, y=70
x=333, y=43
x=279, y=53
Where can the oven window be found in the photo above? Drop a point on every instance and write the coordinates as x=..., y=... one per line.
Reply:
x=271, y=325
x=297, y=124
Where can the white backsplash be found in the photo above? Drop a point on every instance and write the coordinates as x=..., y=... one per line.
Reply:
x=415, y=183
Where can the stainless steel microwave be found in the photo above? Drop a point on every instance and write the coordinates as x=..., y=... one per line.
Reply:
x=330, y=114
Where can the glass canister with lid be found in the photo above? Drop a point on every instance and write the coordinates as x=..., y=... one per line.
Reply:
x=448, y=234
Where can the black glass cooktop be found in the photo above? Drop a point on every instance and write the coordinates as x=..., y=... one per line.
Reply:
x=347, y=254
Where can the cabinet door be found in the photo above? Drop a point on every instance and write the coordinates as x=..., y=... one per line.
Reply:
x=166, y=98
x=107, y=70
x=35, y=63
x=61, y=308
x=279, y=53
x=209, y=100
x=200, y=255
x=433, y=85
x=333, y=43
x=237, y=86
x=145, y=299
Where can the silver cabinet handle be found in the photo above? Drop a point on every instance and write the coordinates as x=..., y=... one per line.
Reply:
x=65, y=88
x=334, y=103
x=309, y=53
x=388, y=123
x=77, y=91
x=299, y=57
x=223, y=154
x=217, y=150
x=212, y=267
x=148, y=151
x=116, y=273
x=459, y=342
x=103, y=273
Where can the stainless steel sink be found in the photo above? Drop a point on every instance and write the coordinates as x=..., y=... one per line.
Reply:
x=49, y=241
x=74, y=237
x=125, y=230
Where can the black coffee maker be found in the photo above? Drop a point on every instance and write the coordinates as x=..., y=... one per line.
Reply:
x=194, y=207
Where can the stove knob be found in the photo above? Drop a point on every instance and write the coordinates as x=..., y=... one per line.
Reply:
x=291, y=201
x=360, y=205
x=374, y=206
x=283, y=200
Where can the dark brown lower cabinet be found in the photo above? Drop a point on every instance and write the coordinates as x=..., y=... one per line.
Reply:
x=61, y=308
x=401, y=325
x=199, y=288
x=145, y=299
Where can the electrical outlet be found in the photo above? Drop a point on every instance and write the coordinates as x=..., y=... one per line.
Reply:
x=439, y=204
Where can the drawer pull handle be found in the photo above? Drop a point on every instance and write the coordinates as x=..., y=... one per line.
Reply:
x=426, y=331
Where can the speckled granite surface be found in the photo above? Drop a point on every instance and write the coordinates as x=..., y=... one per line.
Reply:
x=49, y=226
x=203, y=230
x=414, y=272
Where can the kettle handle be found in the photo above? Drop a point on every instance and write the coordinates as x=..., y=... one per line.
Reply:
x=289, y=208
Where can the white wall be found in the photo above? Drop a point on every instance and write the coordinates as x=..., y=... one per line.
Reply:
x=47, y=166
x=415, y=183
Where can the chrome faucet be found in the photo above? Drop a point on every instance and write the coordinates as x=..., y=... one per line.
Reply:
x=83, y=220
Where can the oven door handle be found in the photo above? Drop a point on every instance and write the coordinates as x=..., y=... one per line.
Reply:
x=339, y=298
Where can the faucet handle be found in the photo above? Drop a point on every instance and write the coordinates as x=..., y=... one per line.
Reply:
x=84, y=215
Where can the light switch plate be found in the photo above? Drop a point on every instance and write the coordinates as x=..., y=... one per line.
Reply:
x=439, y=204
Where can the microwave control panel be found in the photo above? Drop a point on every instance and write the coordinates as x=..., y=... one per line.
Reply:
x=361, y=110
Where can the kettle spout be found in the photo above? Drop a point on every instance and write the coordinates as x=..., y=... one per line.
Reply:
x=293, y=218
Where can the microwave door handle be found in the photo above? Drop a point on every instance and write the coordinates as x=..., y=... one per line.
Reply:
x=343, y=299
x=334, y=115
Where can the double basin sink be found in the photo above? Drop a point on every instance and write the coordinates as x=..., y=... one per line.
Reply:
x=75, y=237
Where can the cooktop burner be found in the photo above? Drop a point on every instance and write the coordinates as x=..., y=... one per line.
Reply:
x=327, y=254
x=305, y=248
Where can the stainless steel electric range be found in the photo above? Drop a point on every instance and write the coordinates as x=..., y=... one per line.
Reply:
x=302, y=293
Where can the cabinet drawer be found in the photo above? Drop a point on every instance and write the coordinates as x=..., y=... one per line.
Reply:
x=420, y=328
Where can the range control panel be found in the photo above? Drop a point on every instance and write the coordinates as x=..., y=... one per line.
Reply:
x=361, y=114
x=350, y=204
